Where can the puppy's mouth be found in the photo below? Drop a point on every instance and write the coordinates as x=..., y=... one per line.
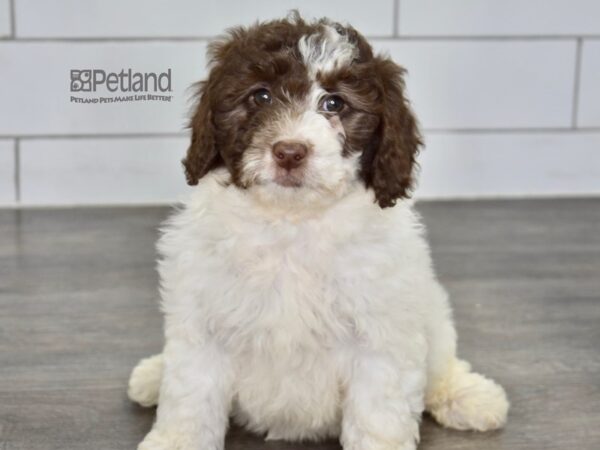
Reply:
x=288, y=179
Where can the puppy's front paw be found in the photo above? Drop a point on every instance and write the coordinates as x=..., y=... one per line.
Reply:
x=157, y=440
x=376, y=444
x=391, y=436
x=172, y=440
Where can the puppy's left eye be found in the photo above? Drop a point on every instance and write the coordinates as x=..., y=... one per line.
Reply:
x=262, y=96
x=332, y=103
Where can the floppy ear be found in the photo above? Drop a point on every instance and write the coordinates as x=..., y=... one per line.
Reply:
x=390, y=167
x=202, y=154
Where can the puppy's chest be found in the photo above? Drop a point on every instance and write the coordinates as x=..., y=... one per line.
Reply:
x=282, y=288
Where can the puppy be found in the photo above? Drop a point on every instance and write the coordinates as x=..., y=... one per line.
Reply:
x=297, y=286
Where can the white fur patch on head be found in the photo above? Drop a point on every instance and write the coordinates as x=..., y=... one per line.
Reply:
x=326, y=51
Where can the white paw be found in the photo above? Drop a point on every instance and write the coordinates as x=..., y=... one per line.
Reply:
x=383, y=436
x=144, y=383
x=172, y=440
x=368, y=443
x=468, y=401
x=156, y=441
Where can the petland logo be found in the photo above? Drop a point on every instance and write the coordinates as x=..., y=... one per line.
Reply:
x=131, y=86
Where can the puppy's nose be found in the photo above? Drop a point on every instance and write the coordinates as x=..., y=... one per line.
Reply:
x=289, y=154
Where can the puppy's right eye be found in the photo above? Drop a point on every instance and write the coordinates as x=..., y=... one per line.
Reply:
x=262, y=96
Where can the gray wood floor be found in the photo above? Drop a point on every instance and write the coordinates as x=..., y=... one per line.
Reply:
x=78, y=308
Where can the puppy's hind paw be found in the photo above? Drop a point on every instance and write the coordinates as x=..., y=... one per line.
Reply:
x=465, y=400
x=144, y=383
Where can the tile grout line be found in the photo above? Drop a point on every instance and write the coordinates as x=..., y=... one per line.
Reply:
x=577, y=82
x=17, y=174
x=96, y=136
x=396, y=19
x=537, y=197
x=565, y=129
x=13, y=20
x=453, y=38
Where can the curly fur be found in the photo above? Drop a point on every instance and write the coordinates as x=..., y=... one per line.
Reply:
x=310, y=311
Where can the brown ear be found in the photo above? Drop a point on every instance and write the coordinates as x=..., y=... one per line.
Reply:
x=390, y=167
x=202, y=154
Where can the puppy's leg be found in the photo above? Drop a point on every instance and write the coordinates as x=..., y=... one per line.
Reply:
x=382, y=406
x=195, y=397
x=144, y=382
x=457, y=397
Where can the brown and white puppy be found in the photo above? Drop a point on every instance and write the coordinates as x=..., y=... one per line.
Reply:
x=296, y=300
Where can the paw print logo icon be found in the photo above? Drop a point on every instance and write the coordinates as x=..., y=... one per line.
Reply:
x=81, y=80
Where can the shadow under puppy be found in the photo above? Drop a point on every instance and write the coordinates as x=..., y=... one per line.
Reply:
x=297, y=286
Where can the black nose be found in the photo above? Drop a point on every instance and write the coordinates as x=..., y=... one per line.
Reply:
x=289, y=154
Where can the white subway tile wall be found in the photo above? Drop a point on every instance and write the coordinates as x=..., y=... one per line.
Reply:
x=7, y=172
x=102, y=170
x=499, y=17
x=489, y=84
x=510, y=164
x=5, y=19
x=189, y=18
x=507, y=92
x=589, y=98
